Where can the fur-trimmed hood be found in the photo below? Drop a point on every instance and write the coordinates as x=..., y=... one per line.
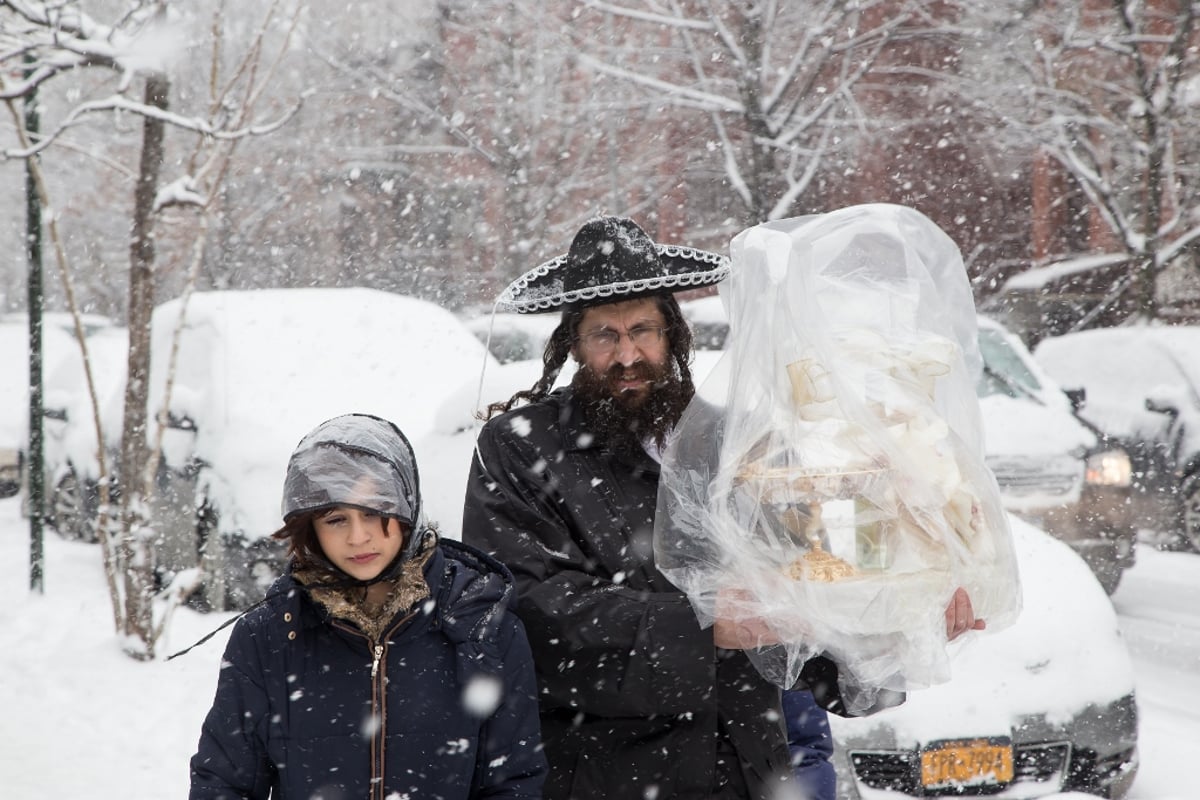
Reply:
x=470, y=593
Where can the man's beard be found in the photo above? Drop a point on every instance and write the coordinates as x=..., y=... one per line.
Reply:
x=624, y=420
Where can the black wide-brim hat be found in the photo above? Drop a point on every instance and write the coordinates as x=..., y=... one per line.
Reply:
x=611, y=259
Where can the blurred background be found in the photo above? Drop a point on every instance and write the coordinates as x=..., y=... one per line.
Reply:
x=439, y=149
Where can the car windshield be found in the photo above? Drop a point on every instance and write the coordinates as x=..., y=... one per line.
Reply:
x=1004, y=370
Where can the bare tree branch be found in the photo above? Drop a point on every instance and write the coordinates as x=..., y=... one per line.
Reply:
x=120, y=103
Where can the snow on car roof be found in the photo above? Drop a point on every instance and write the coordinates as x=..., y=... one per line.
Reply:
x=259, y=369
x=536, y=324
x=705, y=309
x=1119, y=367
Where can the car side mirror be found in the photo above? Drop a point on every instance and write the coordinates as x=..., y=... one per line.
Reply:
x=1077, y=397
x=180, y=422
x=1159, y=406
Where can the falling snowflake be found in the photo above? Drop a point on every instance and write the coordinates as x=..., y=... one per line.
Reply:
x=482, y=695
x=521, y=425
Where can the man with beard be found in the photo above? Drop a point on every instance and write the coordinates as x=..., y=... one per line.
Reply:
x=636, y=699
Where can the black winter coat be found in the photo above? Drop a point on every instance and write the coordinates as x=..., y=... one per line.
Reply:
x=304, y=708
x=634, y=695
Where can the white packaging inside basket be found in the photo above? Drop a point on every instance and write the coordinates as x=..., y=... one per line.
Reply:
x=829, y=478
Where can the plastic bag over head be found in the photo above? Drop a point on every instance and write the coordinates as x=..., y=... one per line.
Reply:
x=353, y=460
x=829, y=477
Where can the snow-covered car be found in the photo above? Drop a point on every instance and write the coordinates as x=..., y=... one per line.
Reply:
x=710, y=325
x=254, y=372
x=1044, y=706
x=69, y=443
x=1053, y=468
x=1141, y=386
x=513, y=337
x=14, y=391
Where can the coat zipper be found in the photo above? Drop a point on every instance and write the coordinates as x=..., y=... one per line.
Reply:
x=375, y=663
x=379, y=712
x=378, y=703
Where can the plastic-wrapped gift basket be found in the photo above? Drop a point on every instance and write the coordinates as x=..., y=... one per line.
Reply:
x=829, y=477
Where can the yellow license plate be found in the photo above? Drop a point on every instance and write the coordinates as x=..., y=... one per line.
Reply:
x=967, y=762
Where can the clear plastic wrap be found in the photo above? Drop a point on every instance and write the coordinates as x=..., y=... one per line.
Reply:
x=829, y=478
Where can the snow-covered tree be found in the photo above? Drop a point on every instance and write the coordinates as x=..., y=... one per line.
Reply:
x=520, y=143
x=1105, y=94
x=105, y=62
x=773, y=87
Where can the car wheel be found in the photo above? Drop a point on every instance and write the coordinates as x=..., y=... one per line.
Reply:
x=69, y=513
x=1189, y=495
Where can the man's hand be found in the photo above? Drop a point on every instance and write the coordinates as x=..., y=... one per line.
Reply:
x=733, y=630
x=960, y=616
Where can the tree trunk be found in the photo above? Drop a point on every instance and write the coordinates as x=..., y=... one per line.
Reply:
x=1147, y=275
x=136, y=545
x=761, y=158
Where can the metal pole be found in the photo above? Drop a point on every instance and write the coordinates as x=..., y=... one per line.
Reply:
x=33, y=251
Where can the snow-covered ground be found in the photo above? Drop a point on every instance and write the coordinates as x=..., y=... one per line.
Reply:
x=82, y=720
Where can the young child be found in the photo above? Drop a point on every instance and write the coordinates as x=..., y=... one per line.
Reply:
x=385, y=662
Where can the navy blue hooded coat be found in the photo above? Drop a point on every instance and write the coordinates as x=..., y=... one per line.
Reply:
x=305, y=709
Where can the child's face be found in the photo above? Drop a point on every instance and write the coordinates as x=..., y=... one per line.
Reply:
x=360, y=543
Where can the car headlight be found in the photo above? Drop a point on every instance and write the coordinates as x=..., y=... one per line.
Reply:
x=1109, y=468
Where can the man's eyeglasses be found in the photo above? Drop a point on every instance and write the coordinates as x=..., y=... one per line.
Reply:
x=604, y=341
